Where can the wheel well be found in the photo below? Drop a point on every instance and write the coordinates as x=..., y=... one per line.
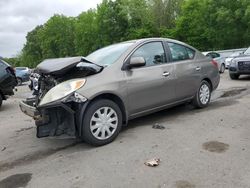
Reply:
x=209, y=81
x=116, y=100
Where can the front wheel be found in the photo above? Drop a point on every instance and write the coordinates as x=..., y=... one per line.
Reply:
x=102, y=122
x=203, y=95
x=234, y=76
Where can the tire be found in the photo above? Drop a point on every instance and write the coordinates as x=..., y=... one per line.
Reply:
x=93, y=133
x=19, y=81
x=222, y=68
x=234, y=76
x=1, y=100
x=203, y=95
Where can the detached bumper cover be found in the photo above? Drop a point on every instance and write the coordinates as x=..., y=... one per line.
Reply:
x=29, y=110
x=57, y=119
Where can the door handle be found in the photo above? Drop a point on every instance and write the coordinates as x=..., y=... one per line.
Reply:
x=198, y=68
x=166, y=74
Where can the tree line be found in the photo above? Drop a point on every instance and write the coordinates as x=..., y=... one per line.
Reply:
x=204, y=24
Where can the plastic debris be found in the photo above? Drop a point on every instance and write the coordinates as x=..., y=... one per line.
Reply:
x=153, y=162
x=158, y=126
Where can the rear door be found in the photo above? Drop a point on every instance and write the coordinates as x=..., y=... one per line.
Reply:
x=187, y=70
x=147, y=86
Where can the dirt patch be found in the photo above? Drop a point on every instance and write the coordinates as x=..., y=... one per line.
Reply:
x=233, y=92
x=215, y=146
x=34, y=157
x=16, y=181
x=184, y=184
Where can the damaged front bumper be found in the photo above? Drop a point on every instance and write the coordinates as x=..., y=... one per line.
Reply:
x=59, y=118
x=27, y=107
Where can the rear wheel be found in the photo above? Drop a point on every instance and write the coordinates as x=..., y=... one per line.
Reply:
x=1, y=100
x=203, y=95
x=222, y=68
x=234, y=76
x=19, y=81
x=102, y=122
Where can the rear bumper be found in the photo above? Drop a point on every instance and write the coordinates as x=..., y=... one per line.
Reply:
x=216, y=82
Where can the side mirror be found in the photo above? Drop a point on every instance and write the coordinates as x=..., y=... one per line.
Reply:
x=137, y=62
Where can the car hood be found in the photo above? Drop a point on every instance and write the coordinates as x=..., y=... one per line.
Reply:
x=242, y=58
x=60, y=66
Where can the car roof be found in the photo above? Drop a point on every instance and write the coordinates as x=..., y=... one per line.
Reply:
x=162, y=39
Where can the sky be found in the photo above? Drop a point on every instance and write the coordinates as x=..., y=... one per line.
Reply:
x=18, y=17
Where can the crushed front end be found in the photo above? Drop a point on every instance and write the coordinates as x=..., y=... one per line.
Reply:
x=58, y=118
x=57, y=107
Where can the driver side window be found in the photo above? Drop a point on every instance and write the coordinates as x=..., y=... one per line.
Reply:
x=152, y=52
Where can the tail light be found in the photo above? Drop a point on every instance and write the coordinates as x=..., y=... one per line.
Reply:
x=215, y=64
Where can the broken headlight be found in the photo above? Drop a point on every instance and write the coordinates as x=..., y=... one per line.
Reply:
x=62, y=90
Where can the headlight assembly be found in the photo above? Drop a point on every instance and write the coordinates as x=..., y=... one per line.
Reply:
x=233, y=63
x=62, y=90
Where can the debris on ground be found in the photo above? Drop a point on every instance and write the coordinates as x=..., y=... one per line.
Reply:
x=4, y=148
x=158, y=126
x=153, y=162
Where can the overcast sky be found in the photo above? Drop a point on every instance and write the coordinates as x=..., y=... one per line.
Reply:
x=17, y=17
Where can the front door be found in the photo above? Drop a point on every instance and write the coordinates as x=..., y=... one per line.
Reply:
x=147, y=86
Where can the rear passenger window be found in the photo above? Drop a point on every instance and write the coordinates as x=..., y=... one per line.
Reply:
x=191, y=53
x=180, y=52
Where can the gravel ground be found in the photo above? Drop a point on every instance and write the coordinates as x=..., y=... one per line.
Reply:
x=198, y=148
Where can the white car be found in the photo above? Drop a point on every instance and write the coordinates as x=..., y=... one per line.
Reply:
x=230, y=58
x=218, y=58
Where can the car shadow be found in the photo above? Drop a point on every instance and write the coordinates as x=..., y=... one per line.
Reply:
x=244, y=78
x=161, y=116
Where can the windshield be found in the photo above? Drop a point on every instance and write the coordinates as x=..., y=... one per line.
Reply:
x=108, y=55
x=247, y=52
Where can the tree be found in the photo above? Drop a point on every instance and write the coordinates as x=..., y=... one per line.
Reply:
x=112, y=22
x=212, y=24
x=86, y=32
x=31, y=54
x=58, y=37
x=205, y=24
